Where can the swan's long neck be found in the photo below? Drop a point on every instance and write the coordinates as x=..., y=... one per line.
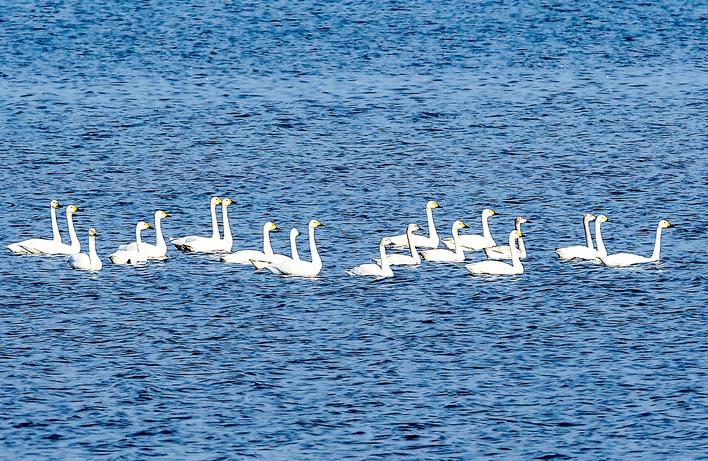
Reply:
x=485, y=227
x=522, y=248
x=75, y=244
x=431, y=225
x=93, y=256
x=138, y=240
x=411, y=245
x=588, y=236
x=159, y=239
x=598, y=239
x=384, y=259
x=313, y=247
x=657, y=245
x=214, y=223
x=515, y=261
x=228, y=238
x=267, y=249
x=56, y=236
x=459, y=252
x=293, y=247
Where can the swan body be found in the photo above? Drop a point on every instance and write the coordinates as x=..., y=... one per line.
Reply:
x=375, y=270
x=421, y=241
x=87, y=262
x=490, y=267
x=246, y=256
x=476, y=242
x=504, y=251
x=301, y=268
x=54, y=246
x=157, y=251
x=443, y=255
x=136, y=256
x=629, y=259
x=196, y=244
x=587, y=252
x=397, y=259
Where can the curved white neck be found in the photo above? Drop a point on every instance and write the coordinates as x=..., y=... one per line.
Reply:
x=159, y=239
x=522, y=248
x=588, y=236
x=485, y=227
x=657, y=245
x=93, y=256
x=214, y=223
x=432, y=231
x=138, y=240
x=384, y=259
x=313, y=247
x=228, y=239
x=267, y=249
x=515, y=261
x=56, y=236
x=411, y=245
x=293, y=247
x=598, y=239
x=75, y=244
x=459, y=252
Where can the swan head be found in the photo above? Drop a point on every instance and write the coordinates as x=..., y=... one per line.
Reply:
x=226, y=202
x=314, y=224
x=412, y=228
x=294, y=232
x=71, y=209
x=602, y=218
x=55, y=204
x=587, y=217
x=520, y=220
x=664, y=224
x=432, y=204
x=459, y=225
x=269, y=227
x=159, y=214
x=386, y=242
x=215, y=201
x=515, y=234
x=487, y=212
x=93, y=233
x=142, y=225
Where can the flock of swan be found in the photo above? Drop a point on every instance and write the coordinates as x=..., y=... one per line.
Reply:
x=420, y=247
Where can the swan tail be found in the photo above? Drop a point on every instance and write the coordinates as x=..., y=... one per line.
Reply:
x=17, y=249
x=260, y=264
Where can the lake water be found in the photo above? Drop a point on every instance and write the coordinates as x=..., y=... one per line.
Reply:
x=355, y=114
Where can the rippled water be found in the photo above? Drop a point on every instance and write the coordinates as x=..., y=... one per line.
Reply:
x=355, y=114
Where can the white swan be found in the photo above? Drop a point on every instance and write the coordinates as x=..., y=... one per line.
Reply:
x=51, y=247
x=196, y=244
x=87, y=262
x=157, y=251
x=301, y=268
x=587, y=253
x=476, y=242
x=421, y=241
x=136, y=256
x=443, y=255
x=490, y=267
x=245, y=256
x=33, y=246
x=397, y=259
x=504, y=251
x=628, y=259
x=227, y=242
x=375, y=270
x=278, y=258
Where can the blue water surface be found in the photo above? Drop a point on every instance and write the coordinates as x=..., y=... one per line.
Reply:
x=356, y=114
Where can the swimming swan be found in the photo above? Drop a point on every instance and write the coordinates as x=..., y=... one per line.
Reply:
x=87, y=262
x=421, y=241
x=301, y=267
x=245, y=256
x=587, y=253
x=504, y=251
x=476, y=242
x=443, y=255
x=136, y=256
x=490, y=267
x=628, y=259
x=375, y=270
x=51, y=247
x=32, y=246
x=228, y=241
x=157, y=251
x=397, y=259
x=196, y=244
